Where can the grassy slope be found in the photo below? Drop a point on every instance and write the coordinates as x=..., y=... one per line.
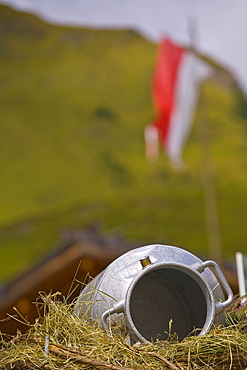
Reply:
x=73, y=104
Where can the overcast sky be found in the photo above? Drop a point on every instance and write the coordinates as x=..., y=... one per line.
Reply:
x=221, y=24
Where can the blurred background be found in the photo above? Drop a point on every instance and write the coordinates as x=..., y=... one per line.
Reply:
x=76, y=187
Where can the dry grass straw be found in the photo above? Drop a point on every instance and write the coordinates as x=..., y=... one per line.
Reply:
x=60, y=340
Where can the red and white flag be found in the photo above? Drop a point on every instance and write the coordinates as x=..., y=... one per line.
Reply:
x=177, y=77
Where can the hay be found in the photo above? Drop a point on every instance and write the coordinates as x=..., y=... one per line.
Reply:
x=60, y=340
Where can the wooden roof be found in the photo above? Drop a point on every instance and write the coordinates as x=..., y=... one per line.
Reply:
x=84, y=253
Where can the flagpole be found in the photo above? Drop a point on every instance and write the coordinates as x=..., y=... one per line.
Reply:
x=208, y=184
x=207, y=173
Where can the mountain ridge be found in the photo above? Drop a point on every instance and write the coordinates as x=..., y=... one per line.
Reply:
x=74, y=103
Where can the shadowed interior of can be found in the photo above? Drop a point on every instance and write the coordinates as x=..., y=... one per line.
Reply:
x=167, y=300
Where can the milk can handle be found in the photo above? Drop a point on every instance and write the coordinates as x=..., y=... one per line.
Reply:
x=220, y=306
x=118, y=308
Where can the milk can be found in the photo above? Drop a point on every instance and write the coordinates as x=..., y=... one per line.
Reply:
x=154, y=291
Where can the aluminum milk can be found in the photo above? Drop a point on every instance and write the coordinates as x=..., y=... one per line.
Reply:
x=154, y=291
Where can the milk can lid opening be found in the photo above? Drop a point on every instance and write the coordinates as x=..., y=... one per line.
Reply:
x=165, y=299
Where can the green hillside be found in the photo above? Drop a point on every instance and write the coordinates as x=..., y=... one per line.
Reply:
x=73, y=105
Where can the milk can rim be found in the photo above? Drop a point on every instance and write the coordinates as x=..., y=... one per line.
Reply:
x=155, y=266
